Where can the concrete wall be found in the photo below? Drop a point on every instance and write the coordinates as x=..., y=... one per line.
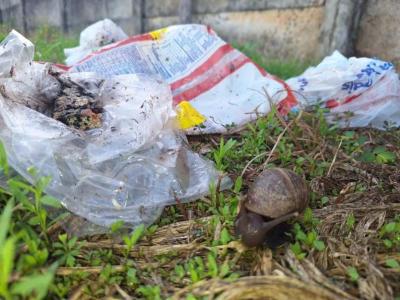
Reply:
x=278, y=33
x=303, y=29
x=379, y=33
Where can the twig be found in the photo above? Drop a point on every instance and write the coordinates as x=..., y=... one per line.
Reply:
x=276, y=143
x=334, y=158
x=65, y=271
x=123, y=294
x=77, y=293
x=154, y=250
x=251, y=161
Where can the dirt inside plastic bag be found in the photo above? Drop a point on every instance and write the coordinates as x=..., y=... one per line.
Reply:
x=58, y=97
x=127, y=170
x=75, y=106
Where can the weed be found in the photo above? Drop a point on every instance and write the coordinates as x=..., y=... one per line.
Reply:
x=150, y=292
x=350, y=221
x=36, y=284
x=392, y=263
x=353, y=274
x=67, y=250
x=390, y=233
x=221, y=152
x=305, y=241
x=379, y=155
x=130, y=241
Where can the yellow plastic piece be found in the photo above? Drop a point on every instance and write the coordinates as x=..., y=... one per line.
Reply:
x=158, y=34
x=188, y=116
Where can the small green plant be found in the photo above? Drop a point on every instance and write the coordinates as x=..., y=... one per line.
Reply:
x=109, y=276
x=35, y=285
x=238, y=184
x=324, y=200
x=222, y=205
x=352, y=143
x=150, y=292
x=7, y=251
x=321, y=123
x=225, y=236
x=353, y=274
x=36, y=255
x=392, y=263
x=116, y=226
x=390, y=233
x=350, y=221
x=298, y=250
x=198, y=270
x=308, y=218
x=221, y=152
x=23, y=194
x=179, y=273
x=306, y=240
x=67, y=250
x=130, y=241
x=131, y=277
x=33, y=279
x=378, y=155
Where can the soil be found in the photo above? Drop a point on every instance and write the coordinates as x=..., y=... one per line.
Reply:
x=76, y=106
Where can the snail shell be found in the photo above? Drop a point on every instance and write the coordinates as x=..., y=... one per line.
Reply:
x=277, y=192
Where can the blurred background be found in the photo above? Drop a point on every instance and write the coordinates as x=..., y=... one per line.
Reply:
x=296, y=29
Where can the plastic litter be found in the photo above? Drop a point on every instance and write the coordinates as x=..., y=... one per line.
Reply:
x=358, y=92
x=128, y=169
x=228, y=90
x=93, y=37
x=222, y=85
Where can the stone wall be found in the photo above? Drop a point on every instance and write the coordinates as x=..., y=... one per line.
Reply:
x=303, y=29
x=379, y=33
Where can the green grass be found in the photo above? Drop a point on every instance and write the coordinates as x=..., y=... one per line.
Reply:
x=284, y=69
x=50, y=45
x=39, y=260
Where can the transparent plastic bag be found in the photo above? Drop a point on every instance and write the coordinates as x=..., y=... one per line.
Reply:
x=93, y=37
x=128, y=169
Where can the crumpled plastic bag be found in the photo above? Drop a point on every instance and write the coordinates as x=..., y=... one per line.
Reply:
x=228, y=90
x=128, y=169
x=221, y=83
x=93, y=37
x=358, y=92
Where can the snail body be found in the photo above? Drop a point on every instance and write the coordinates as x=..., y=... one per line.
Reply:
x=276, y=196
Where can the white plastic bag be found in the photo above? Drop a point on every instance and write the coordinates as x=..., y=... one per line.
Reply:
x=92, y=38
x=128, y=169
x=16, y=52
x=220, y=82
x=358, y=92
